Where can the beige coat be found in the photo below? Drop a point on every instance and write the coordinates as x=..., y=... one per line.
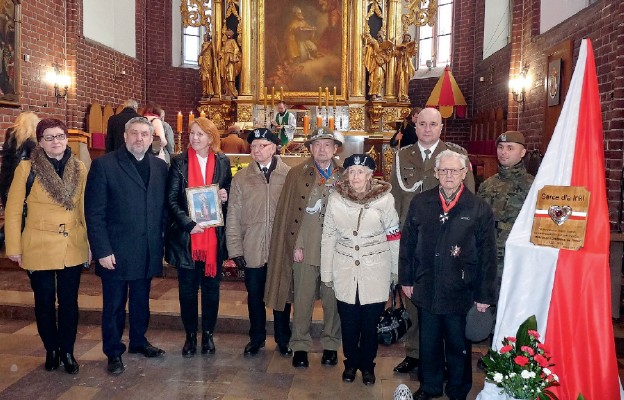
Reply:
x=251, y=211
x=360, y=245
x=54, y=237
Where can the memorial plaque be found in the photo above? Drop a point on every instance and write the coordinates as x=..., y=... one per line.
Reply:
x=560, y=217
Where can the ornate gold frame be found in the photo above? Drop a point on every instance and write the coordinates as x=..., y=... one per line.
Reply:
x=12, y=99
x=341, y=94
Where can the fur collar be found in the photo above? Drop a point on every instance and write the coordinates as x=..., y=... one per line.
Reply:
x=378, y=189
x=60, y=190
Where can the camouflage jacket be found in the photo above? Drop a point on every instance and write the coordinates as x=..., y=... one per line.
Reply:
x=505, y=192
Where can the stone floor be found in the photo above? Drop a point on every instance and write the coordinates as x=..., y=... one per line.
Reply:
x=224, y=375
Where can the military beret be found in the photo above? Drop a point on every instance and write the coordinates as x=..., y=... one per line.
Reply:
x=323, y=133
x=511, y=136
x=359, y=159
x=262, y=133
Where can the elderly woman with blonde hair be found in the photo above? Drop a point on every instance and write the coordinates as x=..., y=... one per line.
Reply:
x=197, y=252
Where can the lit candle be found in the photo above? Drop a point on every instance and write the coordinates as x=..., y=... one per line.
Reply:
x=265, y=97
x=281, y=93
x=306, y=124
x=202, y=114
x=319, y=121
x=320, y=97
x=272, y=96
x=331, y=122
x=334, y=98
x=326, y=97
x=191, y=119
x=179, y=122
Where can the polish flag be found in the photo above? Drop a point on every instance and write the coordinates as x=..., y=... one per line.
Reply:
x=568, y=291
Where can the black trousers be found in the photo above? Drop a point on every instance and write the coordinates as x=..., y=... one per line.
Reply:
x=255, y=280
x=57, y=328
x=443, y=337
x=189, y=282
x=359, y=333
x=115, y=294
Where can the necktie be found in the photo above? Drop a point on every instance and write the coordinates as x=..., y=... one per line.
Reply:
x=265, y=171
x=427, y=154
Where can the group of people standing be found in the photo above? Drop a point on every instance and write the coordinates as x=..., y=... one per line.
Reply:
x=317, y=230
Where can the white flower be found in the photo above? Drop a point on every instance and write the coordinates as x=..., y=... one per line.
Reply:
x=525, y=374
x=498, y=377
x=547, y=371
x=555, y=378
x=512, y=374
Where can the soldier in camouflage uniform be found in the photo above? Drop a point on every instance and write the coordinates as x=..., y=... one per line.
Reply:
x=413, y=173
x=506, y=191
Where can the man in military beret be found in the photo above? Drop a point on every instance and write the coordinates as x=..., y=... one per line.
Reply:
x=295, y=254
x=253, y=199
x=413, y=173
x=506, y=191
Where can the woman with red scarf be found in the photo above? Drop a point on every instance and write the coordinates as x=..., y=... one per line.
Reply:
x=196, y=252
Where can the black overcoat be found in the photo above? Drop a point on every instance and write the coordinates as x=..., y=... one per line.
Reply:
x=124, y=217
x=116, y=128
x=450, y=263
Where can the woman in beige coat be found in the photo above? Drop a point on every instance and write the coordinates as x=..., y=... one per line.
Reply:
x=53, y=246
x=359, y=259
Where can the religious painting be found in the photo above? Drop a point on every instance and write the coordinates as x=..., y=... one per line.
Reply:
x=554, y=82
x=304, y=46
x=204, y=206
x=10, y=52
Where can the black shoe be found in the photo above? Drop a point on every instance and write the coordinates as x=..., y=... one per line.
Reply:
x=148, y=351
x=284, y=350
x=422, y=395
x=348, y=374
x=330, y=357
x=368, y=377
x=407, y=365
x=71, y=366
x=251, y=349
x=190, y=345
x=208, y=345
x=300, y=359
x=53, y=360
x=115, y=365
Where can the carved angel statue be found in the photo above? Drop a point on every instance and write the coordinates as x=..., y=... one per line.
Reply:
x=231, y=60
x=404, y=52
x=378, y=53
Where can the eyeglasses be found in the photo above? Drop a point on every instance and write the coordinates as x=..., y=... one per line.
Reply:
x=259, y=146
x=59, y=137
x=451, y=171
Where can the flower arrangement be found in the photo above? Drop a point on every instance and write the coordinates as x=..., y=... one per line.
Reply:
x=521, y=366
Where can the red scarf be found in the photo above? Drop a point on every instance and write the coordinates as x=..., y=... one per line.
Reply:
x=203, y=245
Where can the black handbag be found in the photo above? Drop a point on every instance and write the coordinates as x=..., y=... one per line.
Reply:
x=393, y=322
x=29, y=183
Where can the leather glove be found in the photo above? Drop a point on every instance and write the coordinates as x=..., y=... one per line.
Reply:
x=240, y=262
x=329, y=284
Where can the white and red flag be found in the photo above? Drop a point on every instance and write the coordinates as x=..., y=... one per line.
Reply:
x=567, y=290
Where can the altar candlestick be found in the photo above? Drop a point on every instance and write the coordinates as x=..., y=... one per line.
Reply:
x=179, y=122
x=331, y=122
x=191, y=119
x=306, y=124
x=319, y=121
x=320, y=98
x=281, y=93
x=265, y=98
x=326, y=97
x=272, y=96
x=334, y=98
x=202, y=114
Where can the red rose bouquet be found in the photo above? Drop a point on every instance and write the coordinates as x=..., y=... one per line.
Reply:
x=521, y=366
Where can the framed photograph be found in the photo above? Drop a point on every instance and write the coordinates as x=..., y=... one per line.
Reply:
x=204, y=206
x=10, y=58
x=554, y=82
x=303, y=46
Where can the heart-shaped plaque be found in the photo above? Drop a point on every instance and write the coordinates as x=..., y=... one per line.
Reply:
x=559, y=214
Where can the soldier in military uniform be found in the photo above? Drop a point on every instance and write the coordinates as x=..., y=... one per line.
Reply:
x=506, y=191
x=413, y=173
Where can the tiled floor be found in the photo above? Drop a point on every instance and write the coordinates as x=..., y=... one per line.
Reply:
x=224, y=375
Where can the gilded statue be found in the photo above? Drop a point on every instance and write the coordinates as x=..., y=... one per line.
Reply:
x=378, y=53
x=208, y=68
x=232, y=64
x=404, y=52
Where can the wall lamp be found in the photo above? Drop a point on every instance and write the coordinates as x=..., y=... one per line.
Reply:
x=520, y=85
x=60, y=81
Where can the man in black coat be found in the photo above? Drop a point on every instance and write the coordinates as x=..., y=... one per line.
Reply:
x=125, y=213
x=447, y=263
x=117, y=125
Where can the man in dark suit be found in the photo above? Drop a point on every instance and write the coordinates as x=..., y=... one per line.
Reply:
x=117, y=125
x=125, y=213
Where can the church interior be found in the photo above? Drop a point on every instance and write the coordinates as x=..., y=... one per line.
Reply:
x=489, y=66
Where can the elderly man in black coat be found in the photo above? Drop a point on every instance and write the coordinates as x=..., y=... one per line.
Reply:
x=447, y=264
x=117, y=125
x=125, y=213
